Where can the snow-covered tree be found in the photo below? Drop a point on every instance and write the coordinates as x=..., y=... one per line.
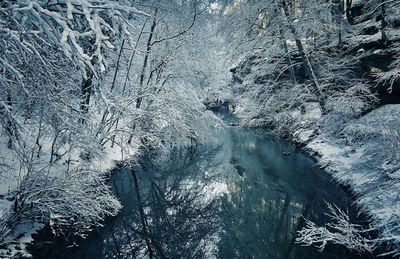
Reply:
x=47, y=48
x=295, y=51
x=338, y=232
x=83, y=80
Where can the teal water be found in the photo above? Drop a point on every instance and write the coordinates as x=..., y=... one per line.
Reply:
x=245, y=194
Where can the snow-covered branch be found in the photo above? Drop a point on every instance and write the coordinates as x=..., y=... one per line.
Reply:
x=340, y=231
x=82, y=29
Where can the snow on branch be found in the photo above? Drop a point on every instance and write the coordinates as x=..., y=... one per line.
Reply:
x=391, y=76
x=339, y=232
x=81, y=29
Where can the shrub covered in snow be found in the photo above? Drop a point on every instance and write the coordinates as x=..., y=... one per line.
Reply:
x=338, y=232
x=75, y=202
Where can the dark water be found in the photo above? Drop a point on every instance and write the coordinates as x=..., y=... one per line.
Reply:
x=243, y=195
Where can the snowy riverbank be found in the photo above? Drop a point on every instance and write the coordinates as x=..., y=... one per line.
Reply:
x=70, y=192
x=365, y=156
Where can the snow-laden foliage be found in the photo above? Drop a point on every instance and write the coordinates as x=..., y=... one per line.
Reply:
x=377, y=134
x=75, y=202
x=311, y=71
x=295, y=59
x=386, y=14
x=392, y=76
x=81, y=29
x=84, y=83
x=340, y=231
x=46, y=48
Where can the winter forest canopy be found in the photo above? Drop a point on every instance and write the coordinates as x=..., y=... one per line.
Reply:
x=176, y=92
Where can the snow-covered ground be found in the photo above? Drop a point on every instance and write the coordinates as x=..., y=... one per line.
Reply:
x=366, y=158
x=13, y=174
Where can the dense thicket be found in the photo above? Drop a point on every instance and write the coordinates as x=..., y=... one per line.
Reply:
x=86, y=82
x=311, y=70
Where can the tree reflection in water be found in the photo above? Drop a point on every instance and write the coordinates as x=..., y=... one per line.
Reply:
x=244, y=196
x=167, y=214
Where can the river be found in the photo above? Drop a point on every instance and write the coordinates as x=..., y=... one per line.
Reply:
x=244, y=194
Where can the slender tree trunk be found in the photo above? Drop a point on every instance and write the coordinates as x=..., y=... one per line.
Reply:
x=383, y=22
x=126, y=81
x=141, y=213
x=287, y=57
x=38, y=139
x=146, y=60
x=117, y=68
x=132, y=56
x=305, y=60
x=106, y=112
x=10, y=126
x=349, y=15
x=337, y=13
x=53, y=145
x=86, y=91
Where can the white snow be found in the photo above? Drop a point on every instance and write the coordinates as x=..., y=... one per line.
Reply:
x=361, y=164
x=303, y=135
x=12, y=173
x=18, y=239
x=365, y=39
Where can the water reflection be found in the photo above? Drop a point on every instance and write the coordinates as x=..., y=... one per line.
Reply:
x=167, y=214
x=243, y=195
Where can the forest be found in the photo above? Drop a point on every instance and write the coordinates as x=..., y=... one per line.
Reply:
x=199, y=129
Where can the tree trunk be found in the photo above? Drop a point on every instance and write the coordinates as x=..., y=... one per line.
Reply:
x=285, y=48
x=10, y=126
x=349, y=15
x=146, y=59
x=305, y=60
x=86, y=91
x=141, y=213
x=53, y=145
x=106, y=112
x=117, y=68
x=132, y=56
x=383, y=22
x=287, y=57
x=337, y=13
x=145, y=62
